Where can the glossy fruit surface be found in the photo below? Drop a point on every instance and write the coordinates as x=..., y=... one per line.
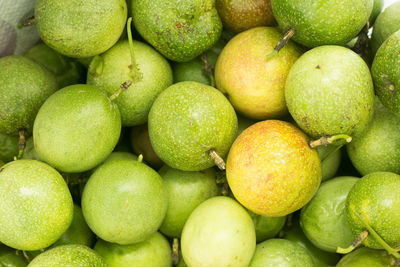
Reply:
x=367, y=257
x=267, y=227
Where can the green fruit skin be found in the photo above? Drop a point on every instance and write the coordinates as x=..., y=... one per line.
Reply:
x=76, y=128
x=153, y=252
x=375, y=197
x=330, y=160
x=24, y=86
x=124, y=202
x=80, y=28
x=387, y=23
x=322, y=22
x=367, y=257
x=323, y=218
x=267, y=227
x=35, y=205
x=280, y=252
x=114, y=156
x=67, y=256
x=221, y=229
x=184, y=31
x=378, y=148
x=376, y=10
x=320, y=258
x=386, y=73
x=186, y=190
x=8, y=147
x=10, y=258
x=186, y=121
x=111, y=69
x=329, y=91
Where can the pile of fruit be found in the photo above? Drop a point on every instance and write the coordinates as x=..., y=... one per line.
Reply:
x=197, y=133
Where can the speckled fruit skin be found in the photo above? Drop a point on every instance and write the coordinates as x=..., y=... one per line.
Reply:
x=67, y=256
x=386, y=73
x=111, y=69
x=387, y=23
x=280, y=252
x=238, y=15
x=322, y=22
x=10, y=258
x=80, y=28
x=222, y=230
x=376, y=199
x=186, y=190
x=376, y=10
x=180, y=30
x=267, y=227
x=378, y=148
x=276, y=181
x=330, y=160
x=186, y=121
x=76, y=128
x=24, y=86
x=329, y=91
x=8, y=147
x=153, y=252
x=35, y=205
x=255, y=85
x=124, y=202
x=323, y=219
x=367, y=257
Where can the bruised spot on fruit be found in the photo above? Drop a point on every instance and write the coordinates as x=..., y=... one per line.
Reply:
x=318, y=67
x=178, y=25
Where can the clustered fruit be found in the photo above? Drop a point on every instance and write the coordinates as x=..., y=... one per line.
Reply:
x=197, y=133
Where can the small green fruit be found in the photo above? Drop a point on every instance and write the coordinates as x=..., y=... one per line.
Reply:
x=141, y=145
x=330, y=157
x=11, y=258
x=367, y=257
x=267, y=227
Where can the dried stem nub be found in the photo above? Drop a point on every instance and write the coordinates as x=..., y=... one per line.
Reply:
x=208, y=69
x=28, y=22
x=328, y=140
x=217, y=159
x=21, y=143
x=122, y=88
x=354, y=244
x=175, y=251
x=282, y=42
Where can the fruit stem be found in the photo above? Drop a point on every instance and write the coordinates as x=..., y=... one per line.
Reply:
x=175, y=251
x=217, y=159
x=281, y=43
x=29, y=22
x=137, y=75
x=122, y=88
x=140, y=158
x=328, y=140
x=21, y=143
x=354, y=244
x=208, y=69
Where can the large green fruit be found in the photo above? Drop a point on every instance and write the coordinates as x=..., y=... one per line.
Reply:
x=267, y=227
x=124, y=202
x=24, y=86
x=367, y=257
x=219, y=232
x=330, y=157
x=387, y=23
x=141, y=145
x=322, y=22
x=280, y=252
x=255, y=85
x=386, y=73
x=329, y=91
x=8, y=147
x=188, y=120
x=378, y=148
x=76, y=128
x=10, y=258
x=80, y=28
x=323, y=219
x=275, y=181
x=35, y=205
x=180, y=30
x=186, y=190
x=153, y=252
x=69, y=256
x=376, y=10
x=374, y=202
x=111, y=69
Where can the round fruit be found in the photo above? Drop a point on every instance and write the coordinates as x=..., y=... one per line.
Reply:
x=367, y=257
x=124, y=202
x=280, y=252
x=378, y=148
x=8, y=147
x=24, y=86
x=255, y=85
x=271, y=169
x=322, y=22
x=386, y=73
x=374, y=204
x=140, y=141
x=330, y=157
x=111, y=69
x=219, y=232
x=153, y=252
x=35, y=205
x=187, y=121
x=376, y=10
x=67, y=256
x=323, y=218
x=10, y=258
x=80, y=28
x=76, y=128
x=267, y=227
x=329, y=91
x=186, y=190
